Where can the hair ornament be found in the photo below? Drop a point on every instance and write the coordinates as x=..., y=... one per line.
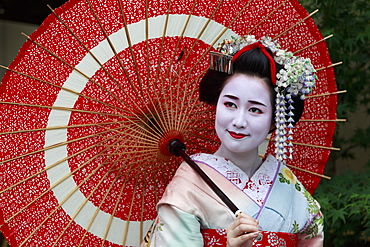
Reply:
x=297, y=78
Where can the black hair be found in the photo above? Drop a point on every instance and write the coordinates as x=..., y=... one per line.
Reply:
x=254, y=63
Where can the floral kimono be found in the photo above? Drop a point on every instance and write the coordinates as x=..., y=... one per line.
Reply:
x=191, y=214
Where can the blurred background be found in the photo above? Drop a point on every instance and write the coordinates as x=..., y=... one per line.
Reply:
x=345, y=199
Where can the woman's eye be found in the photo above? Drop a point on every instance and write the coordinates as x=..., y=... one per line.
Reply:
x=255, y=110
x=230, y=104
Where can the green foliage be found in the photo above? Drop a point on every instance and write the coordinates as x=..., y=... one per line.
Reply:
x=345, y=202
x=349, y=21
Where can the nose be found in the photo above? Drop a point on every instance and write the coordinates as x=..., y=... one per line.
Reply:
x=240, y=120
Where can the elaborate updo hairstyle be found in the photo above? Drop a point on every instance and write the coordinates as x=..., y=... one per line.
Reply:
x=253, y=63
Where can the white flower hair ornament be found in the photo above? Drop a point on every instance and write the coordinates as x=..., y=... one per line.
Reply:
x=296, y=79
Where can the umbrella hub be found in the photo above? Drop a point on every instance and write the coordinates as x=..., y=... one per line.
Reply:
x=164, y=143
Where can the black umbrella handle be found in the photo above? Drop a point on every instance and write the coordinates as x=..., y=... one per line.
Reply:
x=177, y=148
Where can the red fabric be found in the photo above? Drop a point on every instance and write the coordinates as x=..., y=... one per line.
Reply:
x=258, y=44
x=217, y=237
x=106, y=144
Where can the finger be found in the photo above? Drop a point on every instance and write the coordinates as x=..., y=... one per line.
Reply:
x=242, y=240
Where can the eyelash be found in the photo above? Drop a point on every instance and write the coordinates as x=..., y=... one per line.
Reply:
x=252, y=109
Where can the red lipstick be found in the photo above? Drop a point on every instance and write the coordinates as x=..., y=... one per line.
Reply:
x=237, y=135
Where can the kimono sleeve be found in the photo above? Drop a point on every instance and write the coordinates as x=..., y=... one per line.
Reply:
x=174, y=227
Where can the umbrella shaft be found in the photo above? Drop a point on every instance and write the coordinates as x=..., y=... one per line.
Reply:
x=209, y=182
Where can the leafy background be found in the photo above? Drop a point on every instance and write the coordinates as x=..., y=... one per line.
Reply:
x=345, y=199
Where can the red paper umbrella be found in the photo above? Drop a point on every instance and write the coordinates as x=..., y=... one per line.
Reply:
x=95, y=94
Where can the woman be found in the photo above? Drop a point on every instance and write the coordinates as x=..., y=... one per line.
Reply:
x=277, y=210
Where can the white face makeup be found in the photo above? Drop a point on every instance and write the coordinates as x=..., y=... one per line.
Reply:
x=243, y=115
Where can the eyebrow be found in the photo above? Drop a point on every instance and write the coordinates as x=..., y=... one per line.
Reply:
x=251, y=101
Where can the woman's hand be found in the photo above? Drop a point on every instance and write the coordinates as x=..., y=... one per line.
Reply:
x=242, y=231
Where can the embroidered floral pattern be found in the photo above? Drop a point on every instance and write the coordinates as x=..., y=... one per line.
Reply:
x=256, y=187
x=286, y=176
x=318, y=220
x=267, y=239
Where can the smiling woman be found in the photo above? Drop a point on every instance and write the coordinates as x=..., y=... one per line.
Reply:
x=243, y=120
x=274, y=210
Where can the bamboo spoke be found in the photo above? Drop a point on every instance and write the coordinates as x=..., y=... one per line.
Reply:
x=101, y=203
x=322, y=120
x=61, y=204
x=116, y=55
x=128, y=38
x=61, y=127
x=311, y=145
x=329, y=66
x=87, y=49
x=326, y=94
x=86, y=199
x=76, y=69
x=304, y=48
x=310, y=172
x=61, y=108
x=67, y=90
x=304, y=170
x=54, y=185
x=296, y=24
x=49, y=167
x=111, y=45
x=56, y=145
x=266, y=17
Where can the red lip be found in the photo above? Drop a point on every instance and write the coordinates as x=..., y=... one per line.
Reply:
x=237, y=135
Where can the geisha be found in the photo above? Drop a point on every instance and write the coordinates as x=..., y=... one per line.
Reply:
x=256, y=93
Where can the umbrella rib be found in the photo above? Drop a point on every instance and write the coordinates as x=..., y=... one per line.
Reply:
x=310, y=172
x=90, y=194
x=128, y=37
x=215, y=40
x=323, y=120
x=329, y=66
x=113, y=49
x=90, y=79
x=101, y=203
x=117, y=57
x=75, y=68
x=199, y=36
x=296, y=24
x=139, y=158
x=54, y=185
x=162, y=44
x=181, y=122
x=311, y=145
x=111, y=44
x=169, y=69
x=129, y=214
x=83, y=111
x=314, y=43
x=178, y=91
x=54, y=146
x=58, y=127
x=326, y=94
x=267, y=16
x=64, y=88
x=304, y=170
x=86, y=48
x=180, y=39
x=60, y=204
x=35, y=174
x=61, y=108
x=149, y=136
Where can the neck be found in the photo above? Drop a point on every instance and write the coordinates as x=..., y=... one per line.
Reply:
x=248, y=162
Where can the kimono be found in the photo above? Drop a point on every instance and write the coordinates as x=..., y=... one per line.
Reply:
x=191, y=214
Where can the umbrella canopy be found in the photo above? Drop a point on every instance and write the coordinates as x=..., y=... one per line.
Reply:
x=95, y=94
